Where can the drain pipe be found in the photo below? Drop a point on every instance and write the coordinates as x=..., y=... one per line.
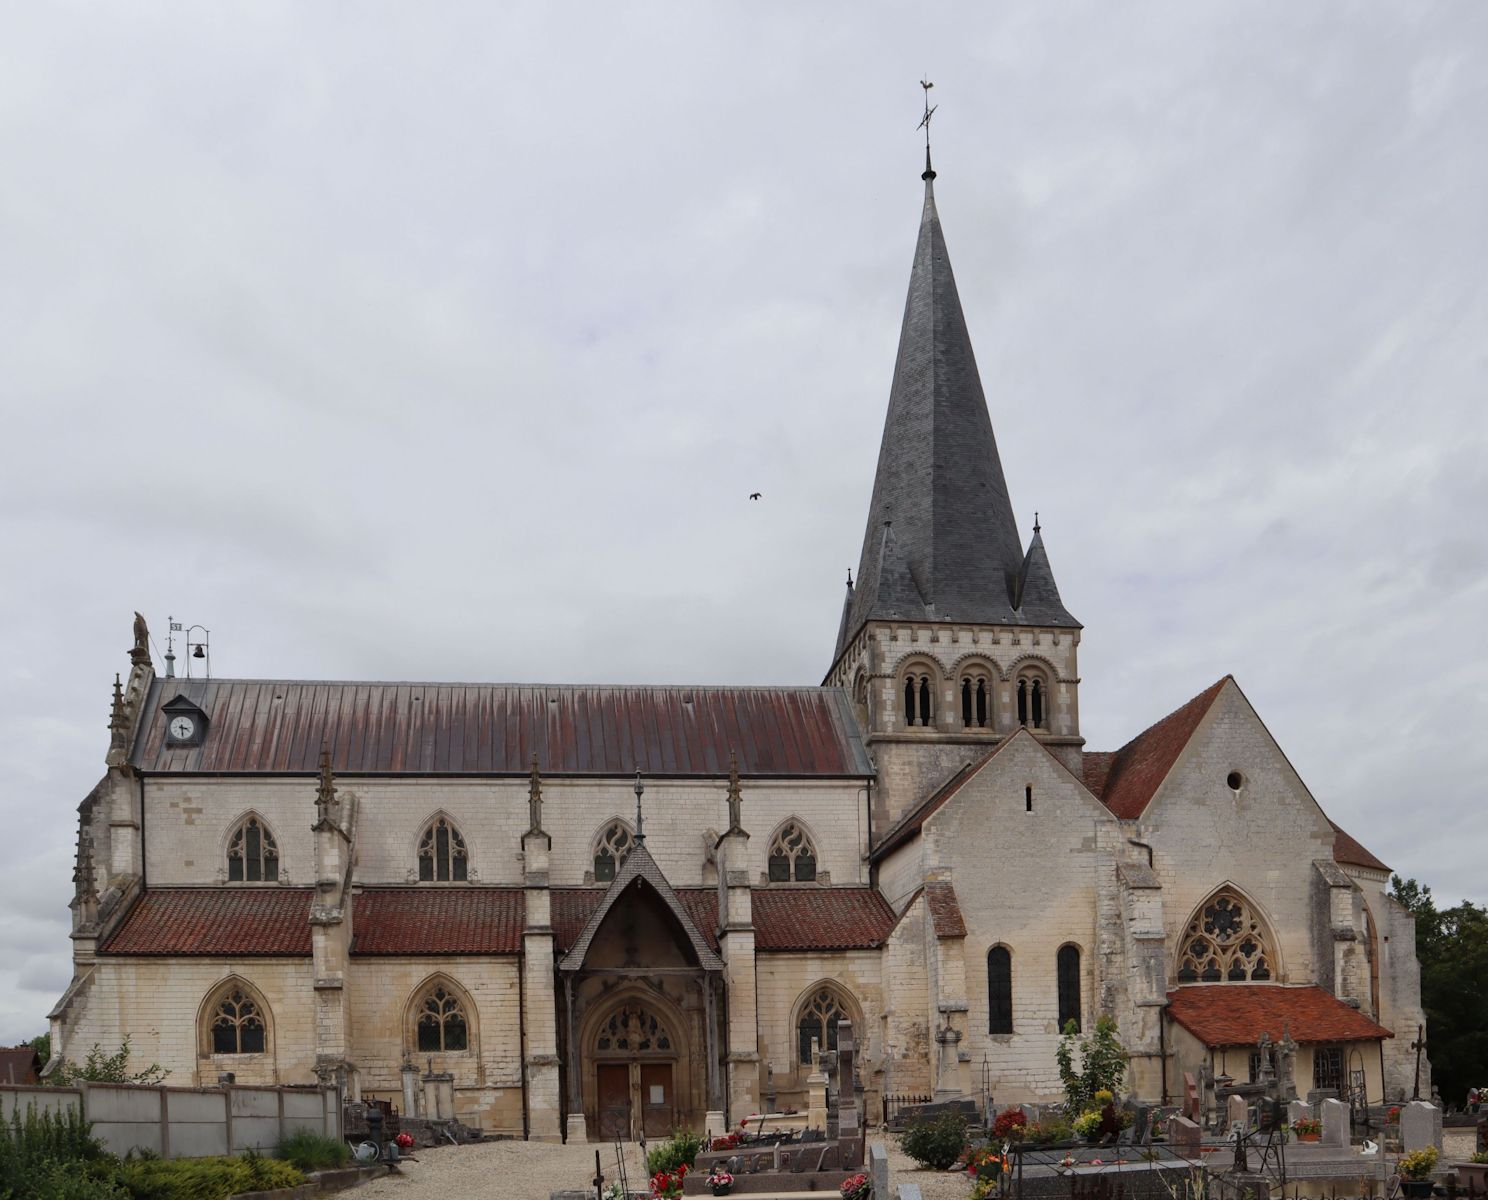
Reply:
x=1142, y=846
x=1162, y=1048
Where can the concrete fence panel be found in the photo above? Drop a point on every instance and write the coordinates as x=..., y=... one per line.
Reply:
x=186, y=1122
x=43, y=1099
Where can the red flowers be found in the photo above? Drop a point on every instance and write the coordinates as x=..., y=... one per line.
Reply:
x=404, y=1141
x=856, y=1187
x=667, y=1185
x=725, y=1141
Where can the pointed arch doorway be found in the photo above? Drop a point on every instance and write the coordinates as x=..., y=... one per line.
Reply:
x=635, y=1055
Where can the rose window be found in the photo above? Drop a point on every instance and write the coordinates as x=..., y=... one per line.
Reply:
x=1224, y=943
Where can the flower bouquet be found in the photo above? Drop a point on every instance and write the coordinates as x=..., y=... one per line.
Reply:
x=720, y=1181
x=667, y=1185
x=1307, y=1129
x=856, y=1187
x=404, y=1141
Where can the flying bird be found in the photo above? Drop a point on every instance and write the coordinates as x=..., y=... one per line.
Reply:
x=755, y=495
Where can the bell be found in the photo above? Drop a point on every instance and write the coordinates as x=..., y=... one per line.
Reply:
x=198, y=652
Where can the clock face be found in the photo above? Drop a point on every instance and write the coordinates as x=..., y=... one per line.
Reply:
x=181, y=728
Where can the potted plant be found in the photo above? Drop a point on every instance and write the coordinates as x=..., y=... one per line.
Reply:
x=1415, y=1171
x=667, y=1185
x=720, y=1181
x=1473, y=1174
x=856, y=1187
x=1307, y=1129
x=1087, y=1125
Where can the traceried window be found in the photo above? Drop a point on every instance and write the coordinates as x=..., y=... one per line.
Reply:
x=237, y=1024
x=1033, y=701
x=792, y=855
x=1224, y=943
x=611, y=850
x=819, y=1017
x=441, y=1022
x=999, y=990
x=252, y=853
x=918, y=690
x=976, y=700
x=633, y=1028
x=1068, y=964
x=441, y=853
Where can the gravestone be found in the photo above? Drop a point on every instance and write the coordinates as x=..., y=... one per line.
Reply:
x=1419, y=1126
x=1335, y=1116
x=849, y=1132
x=878, y=1169
x=1190, y=1097
x=1237, y=1115
x=1184, y=1136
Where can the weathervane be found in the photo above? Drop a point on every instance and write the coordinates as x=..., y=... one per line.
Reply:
x=925, y=125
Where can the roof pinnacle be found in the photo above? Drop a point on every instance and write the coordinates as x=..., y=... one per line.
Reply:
x=640, y=829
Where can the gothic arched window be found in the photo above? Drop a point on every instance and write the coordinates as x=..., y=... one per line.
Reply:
x=441, y=1023
x=818, y=1022
x=252, y=853
x=999, y=990
x=611, y=849
x=441, y=853
x=236, y=1023
x=1225, y=942
x=976, y=700
x=918, y=698
x=634, y=1028
x=792, y=855
x=1068, y=965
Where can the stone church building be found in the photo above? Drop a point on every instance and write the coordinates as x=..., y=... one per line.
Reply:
x=596, y=911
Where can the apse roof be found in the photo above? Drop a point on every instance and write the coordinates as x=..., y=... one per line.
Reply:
x=1237, y=1014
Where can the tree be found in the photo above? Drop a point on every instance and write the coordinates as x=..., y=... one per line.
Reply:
x=42, y=1044
x=99, y=1067
x=1452, y=947
x=1102, y=1065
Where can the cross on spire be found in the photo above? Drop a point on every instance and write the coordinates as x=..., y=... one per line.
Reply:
x=925, y=125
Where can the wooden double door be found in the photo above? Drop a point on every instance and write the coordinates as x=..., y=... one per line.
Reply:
x=635, y=1096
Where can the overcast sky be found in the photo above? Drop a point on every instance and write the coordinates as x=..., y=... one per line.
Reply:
x=447, y=342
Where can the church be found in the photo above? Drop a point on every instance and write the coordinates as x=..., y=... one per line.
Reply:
x=588, y=912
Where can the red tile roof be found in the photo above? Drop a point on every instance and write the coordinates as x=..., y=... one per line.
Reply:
x=1137, y=770
x=19, y=1064
x=1095, y=765
x=1236, y=1014
x=265, y=725
x=252, y=921
x=408, y=921
x=945, y=910
x=832, y=918
x=1347, y=850
x=454, y=920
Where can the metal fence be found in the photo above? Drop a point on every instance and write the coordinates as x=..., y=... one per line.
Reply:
x=892, y=1106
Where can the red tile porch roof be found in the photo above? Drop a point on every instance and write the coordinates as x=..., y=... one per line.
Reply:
x=244, y=922
x=1236, y=1014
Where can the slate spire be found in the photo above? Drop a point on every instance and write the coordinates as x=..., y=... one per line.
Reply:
x=941, y=542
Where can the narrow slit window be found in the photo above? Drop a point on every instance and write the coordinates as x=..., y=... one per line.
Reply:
x=1028, y=798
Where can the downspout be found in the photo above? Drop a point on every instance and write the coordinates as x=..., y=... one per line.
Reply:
x=1380, y=1045
x=866, y=791
x=522, y=1033
x=1162, y=1047
x=144, y=858
x=1142, y=846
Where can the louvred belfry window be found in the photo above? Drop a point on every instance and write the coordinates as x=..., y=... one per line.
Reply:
x=792, y=856
x=976, y=705
x=611, y=850
x=237, y=1024
x=441, y=1022
x=1224, y=943
x=252, y=854
x=441, y=853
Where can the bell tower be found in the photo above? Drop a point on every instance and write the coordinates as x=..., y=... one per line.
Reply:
x=953, y=636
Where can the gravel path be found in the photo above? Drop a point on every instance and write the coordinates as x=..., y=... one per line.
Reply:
x=509, y=1170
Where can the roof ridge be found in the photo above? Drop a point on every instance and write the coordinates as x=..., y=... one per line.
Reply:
x=1130, y=783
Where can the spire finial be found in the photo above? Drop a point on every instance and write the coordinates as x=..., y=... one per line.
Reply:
x=534, y=799
x=735, y=794
x=1036, y=525
x=325, y=794
x=925, y=125
x=849, y=577
x=640, y=829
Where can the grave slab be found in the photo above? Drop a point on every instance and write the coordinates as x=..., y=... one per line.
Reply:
x=1335, y=1116
x=1420, y=1126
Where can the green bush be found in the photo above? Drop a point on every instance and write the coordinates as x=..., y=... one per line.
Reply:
x=682, y=1147
x=936, y=1143
x=313, y=1151
x=205, y=1178
x=1102, y=1066
x=64, y=1181
x=31, y=1146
